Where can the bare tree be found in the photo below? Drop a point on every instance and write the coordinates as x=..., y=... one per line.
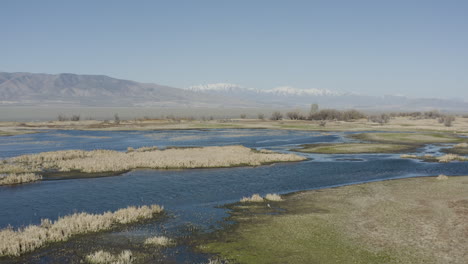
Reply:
x=276, y=116
x=116, y=119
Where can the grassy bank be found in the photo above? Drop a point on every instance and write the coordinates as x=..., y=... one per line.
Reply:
x=459, y=149
x=353, y=148
x=395, y=124
x=409, y=138
x=430, y=158
x=16, y=242
x=418, y=220
x=100, y=161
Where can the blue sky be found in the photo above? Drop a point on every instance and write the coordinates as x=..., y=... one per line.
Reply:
x=415, y=48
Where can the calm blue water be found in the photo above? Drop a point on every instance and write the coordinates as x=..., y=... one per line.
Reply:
x=191, y=196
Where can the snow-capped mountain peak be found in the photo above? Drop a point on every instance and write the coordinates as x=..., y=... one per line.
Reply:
x=280, y=91
x=216, y=87
x=288, y=90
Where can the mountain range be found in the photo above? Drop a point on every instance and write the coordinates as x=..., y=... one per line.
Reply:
x=290, y=97
x=66, y=89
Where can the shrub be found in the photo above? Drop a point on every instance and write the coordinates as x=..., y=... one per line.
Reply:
x=381, y=119
x=293, y=115
x=261, y=116
x=62, y=117
x=276, y=116
x=446, y=120
x=75, y=118
x=243, y=116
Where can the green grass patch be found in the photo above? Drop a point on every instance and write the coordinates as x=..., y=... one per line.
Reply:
x=409, y=138
x=292, y=239
x=377, y=222
x=354, y=148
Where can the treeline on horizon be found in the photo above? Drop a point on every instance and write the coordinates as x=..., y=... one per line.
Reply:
x=314, y=114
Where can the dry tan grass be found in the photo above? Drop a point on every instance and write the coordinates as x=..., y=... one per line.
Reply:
x=443, y=159
x=461, y=145
x=104, y=257
x=159, y=241
x=11, y=179
x=273, y=197
x=254, y=198
x=442, y=177
x=114, y=161
x=451, y=157
x=16, y=242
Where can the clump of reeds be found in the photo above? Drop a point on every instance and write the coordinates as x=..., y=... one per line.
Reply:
x=104, y=257
x=461, y=145
x=442, y=177
x=16, y=242
x=159, y=241
x=254, y=198
x=149, y=157
x=409, y=156
x=273, y=197
x=10, y=179
x=451, y=157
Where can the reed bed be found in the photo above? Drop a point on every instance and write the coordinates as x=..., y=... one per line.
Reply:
x=256, y=198
x=273, y=197
x=16, y=242
x=451, y=157
x=11, y=179
x=161, y=241
x=443, y=159
x=442, y=177
x=461, y=145
x=104, y=257
x=113, y=161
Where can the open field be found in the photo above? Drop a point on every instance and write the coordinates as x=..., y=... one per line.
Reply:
x=17, y=242
x=98, y=161
x=353, y=148
x=460, y=125
x=416, y=220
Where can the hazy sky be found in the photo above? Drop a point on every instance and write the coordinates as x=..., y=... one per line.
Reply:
x=415, y=48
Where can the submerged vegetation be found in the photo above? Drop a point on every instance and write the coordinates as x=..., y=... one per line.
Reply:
x=97, y=161
x=11, y=179
x=398, y=221
x=16, y=242
x=353, y=148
